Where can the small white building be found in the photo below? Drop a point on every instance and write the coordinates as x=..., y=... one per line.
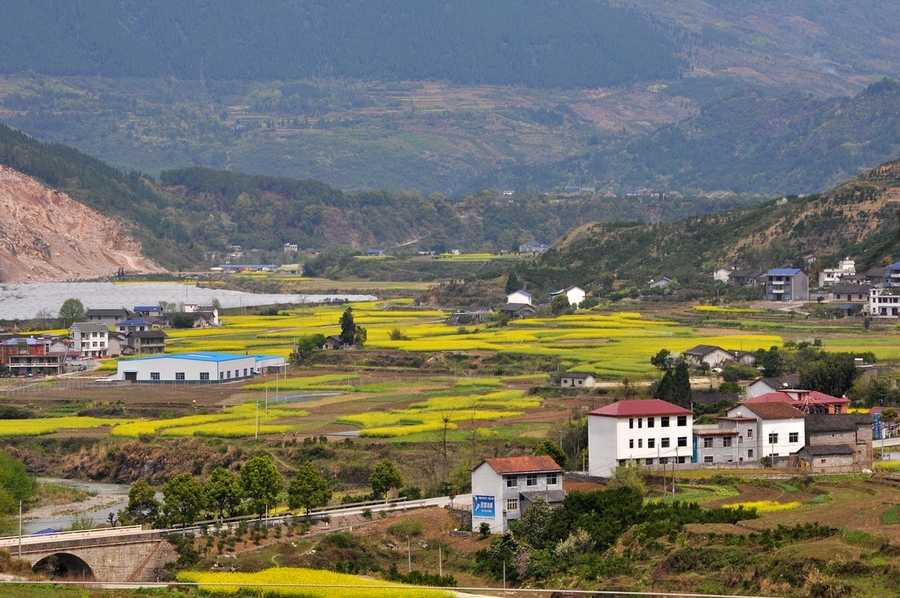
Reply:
x=647, y=431
x=831, y=276
x=769, y=429
x=577, y=380
x=504, y=488
x=195, y=367
x=575, y=295
x=519, y=297
x=90, y=338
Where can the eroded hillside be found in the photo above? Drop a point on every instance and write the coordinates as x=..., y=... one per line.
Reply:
x=46, y=235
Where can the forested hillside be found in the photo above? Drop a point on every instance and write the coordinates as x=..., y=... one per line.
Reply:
x=536, y=43
x=744, y=144
x=857, y=219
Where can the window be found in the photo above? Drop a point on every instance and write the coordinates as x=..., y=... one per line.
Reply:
x=651, y=443
x=531, y=479
x=682, y=441
x=154, y=375
x=664, y=421
x=640, y=422
x=726, y=442
x=749, y=453
x=630, y=422
x=631, y=443
x=640, y=443
x=551, y=479
x=749, y=432
x=682, y=459
x=708, y=459
x=651, y=421
x=648, y=461
x=512, y=481
x=227, y=373
x=707, y=442
x=773, y=437
x=682, y=420
x=512, y=504
x=204, y=375
x=663, y=460
x=245, y=372
x=664, y=442
x=793, y=437
x=221, y=375
x=179, y=375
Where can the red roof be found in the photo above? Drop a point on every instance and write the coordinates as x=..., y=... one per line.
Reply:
x=522, y=464
x=813, y=397
x=774, y=410
x=640, y=408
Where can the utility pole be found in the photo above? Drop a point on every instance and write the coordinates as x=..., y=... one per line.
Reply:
x=20, y=529
x=257, y=421
x=408, y=557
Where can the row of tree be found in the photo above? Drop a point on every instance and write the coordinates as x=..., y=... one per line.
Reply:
x=255, y=489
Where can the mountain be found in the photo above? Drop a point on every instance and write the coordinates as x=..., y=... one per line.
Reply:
x=857, y=219
x=46, y=235
x=750, y=143
x=535, y=43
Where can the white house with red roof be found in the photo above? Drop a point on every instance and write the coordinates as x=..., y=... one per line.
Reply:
x=504, y=488
x=768, y=429
x=647, y=431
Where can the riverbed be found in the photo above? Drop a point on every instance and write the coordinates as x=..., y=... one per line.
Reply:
x=23, y=301
x=109, y=498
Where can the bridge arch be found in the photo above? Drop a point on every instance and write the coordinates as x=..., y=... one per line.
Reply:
x=65, y=564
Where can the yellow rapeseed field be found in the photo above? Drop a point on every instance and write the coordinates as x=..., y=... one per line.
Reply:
x=313, y=583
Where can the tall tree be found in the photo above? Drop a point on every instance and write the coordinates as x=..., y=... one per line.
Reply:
x=308, y=490
x=72, y=311
x=834, y=374
x=351, y=334
x=512, y=283
x=261, y=483
x=182, y=499
x=222, y=491
x=552, y=450
x=142, y=504
x=385, y=477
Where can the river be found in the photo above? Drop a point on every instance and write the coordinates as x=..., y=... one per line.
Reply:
x=99, y=515
x=23, y=301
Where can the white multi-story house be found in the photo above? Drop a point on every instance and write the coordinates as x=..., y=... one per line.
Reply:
x=775, y=430
x=91, y=338
x=884, y=302
x=648, y=432
x=504, y=488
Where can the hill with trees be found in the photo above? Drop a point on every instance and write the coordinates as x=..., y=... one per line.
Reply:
x=750, y=143
x=857, y=219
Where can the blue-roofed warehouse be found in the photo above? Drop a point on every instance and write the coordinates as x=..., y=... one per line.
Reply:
x=201, y=367
x=787, y=284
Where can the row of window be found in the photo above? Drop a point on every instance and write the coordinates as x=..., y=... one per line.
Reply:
x=663, y=442
x=531, y=480
x=660, y=461
x=203, y=375
x=727, y=441
x=651, y=421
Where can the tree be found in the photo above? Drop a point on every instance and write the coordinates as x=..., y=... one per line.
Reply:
x=536, y=523
x=675, y=385
x=552, y=450
x=308, y=490
x=772, y=362
x=222, y=491
x=385, y=477
x=512, y=283
x=306, y=346
x=261, y=483
x=560, y=305
x=351, y=334
x=182, y=320
x=72, y=311
x=662, y=360
x=183, y=499
x=833, y=374
x=629, y=476
x=142, y=504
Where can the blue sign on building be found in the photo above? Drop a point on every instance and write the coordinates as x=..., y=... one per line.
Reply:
x=483, y=506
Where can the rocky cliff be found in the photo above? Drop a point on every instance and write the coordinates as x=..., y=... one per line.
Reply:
x=46, y=235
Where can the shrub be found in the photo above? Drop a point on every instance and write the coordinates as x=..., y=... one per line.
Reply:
x=484, y=529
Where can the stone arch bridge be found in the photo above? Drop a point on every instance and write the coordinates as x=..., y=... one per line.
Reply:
x=117, y=554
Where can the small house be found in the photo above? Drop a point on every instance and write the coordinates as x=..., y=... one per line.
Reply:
x=519, y=296
x=575, y=295
x=577, y=380
x=503, y=489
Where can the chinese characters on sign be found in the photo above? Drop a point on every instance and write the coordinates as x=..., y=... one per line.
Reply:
x=483, y=506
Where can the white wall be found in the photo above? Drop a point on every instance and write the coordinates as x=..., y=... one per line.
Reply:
x=518, y=297
x=486, y=482
x=611, y=439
